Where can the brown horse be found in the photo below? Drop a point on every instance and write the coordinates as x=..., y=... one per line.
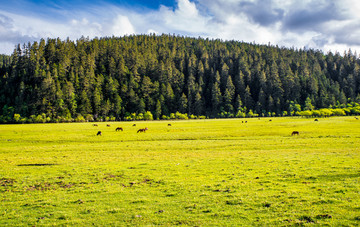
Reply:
x=295, y=133
x=107, y=125
x=119, y=129
x=169, y=124
x=95, y=125
x=134, y=124
x=99, y=133
x=142, y=130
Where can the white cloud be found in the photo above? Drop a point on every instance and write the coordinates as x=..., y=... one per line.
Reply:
x=83, y=27
x=320, y=24
x=122, y=26
x=185, y=18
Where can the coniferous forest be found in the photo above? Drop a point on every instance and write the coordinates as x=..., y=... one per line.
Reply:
x=166, y=77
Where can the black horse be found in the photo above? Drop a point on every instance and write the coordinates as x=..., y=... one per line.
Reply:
x=119, y=129
x=295, y=133
x=99, y=133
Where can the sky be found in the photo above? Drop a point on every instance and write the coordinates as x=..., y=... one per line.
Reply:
x=326, y=25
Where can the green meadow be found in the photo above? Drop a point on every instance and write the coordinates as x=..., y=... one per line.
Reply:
x=192, y=173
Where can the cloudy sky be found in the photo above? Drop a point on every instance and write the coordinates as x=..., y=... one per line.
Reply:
x=328, y=25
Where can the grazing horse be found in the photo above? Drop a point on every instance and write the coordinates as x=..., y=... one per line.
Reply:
x=356, y=118
x=169, y=124
x=295, y=133
x=134, y=124
x=316, y=120
x=142, y=130
x=119, y=129
x=95, y=125
x=107, y=125
x=99, y=133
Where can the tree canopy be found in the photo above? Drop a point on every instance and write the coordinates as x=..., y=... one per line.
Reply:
x=114, y=77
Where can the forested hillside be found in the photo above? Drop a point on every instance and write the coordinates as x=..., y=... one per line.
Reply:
x=138, y=76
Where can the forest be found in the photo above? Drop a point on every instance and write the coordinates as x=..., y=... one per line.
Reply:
x=145, y=77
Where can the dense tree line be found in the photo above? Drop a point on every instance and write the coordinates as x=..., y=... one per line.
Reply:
x=127, y=77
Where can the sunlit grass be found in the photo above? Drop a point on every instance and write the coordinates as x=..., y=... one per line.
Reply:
x=203, y=172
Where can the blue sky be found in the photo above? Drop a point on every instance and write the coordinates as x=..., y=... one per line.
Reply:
x=329, y=25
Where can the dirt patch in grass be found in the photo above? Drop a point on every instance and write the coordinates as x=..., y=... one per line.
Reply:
x=5, y=182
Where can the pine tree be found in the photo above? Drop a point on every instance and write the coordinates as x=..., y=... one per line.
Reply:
x=183, y=104
x=229, y=95
x=158, y=110
x=216, y=95
x=248, y=100
x=111, y=76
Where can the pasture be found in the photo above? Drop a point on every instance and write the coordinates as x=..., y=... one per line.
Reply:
x=191, y=173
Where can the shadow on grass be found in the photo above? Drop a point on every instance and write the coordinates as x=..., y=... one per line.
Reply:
x=38, y=164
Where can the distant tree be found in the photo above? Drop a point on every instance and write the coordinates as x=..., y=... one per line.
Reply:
x=183, y=103
x=308, y=105
x=109, y=76
x=158, y=110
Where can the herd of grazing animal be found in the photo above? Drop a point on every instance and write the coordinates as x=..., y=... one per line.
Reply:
x=99, y=133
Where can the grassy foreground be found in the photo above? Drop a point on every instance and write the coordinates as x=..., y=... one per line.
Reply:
x=197, y=173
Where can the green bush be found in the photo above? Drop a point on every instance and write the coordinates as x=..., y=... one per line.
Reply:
x=338, y=112
x=80, y=118
x=148, y=116
x=306, y=113
x=325, y=112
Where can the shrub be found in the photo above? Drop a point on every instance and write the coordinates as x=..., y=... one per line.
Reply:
x=17, y=117
x=140, y=116
x=250, y=114
x=306, y=113
x=40, y=118
x=240, y=114
x=325, y=112
x=181, y=116
x=148, y=116
x=338, y=112
x=355, y=110
x=89, y=117
x=316, y=113
x=80, y=118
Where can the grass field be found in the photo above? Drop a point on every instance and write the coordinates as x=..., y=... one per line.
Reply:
x=196, y=173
